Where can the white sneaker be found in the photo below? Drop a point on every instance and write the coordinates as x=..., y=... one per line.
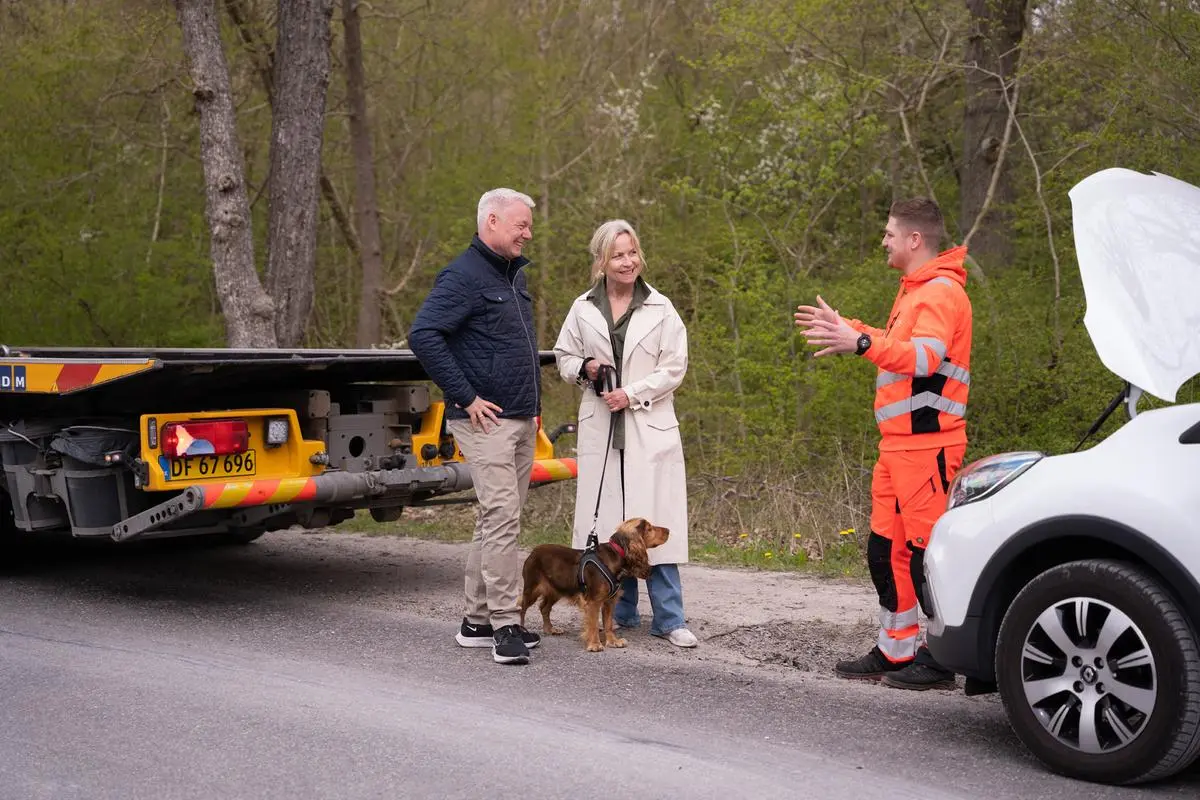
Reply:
x=682, y=637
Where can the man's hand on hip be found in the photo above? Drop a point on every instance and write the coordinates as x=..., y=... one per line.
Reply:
x=481, y=411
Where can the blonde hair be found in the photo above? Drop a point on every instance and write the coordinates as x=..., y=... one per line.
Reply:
x=603, y=241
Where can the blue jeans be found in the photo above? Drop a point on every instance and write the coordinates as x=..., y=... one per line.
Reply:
x=666, y=600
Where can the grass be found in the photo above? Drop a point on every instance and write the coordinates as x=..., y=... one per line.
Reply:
x=784, y=523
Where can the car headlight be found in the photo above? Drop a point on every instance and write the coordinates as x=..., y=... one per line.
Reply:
x=988, y=475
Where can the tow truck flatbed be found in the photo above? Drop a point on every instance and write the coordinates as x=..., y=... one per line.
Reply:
x=88, y=381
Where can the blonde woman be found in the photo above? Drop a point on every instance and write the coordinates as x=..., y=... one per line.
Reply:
x=624, y=322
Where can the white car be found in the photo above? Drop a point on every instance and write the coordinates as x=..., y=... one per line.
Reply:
x=1070, y=583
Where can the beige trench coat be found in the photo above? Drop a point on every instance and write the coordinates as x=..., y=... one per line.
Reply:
x=653, y=365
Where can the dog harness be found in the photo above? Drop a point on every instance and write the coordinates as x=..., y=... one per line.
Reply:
x=590, y=557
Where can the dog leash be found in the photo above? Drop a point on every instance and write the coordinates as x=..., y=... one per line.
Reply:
x=606, y=380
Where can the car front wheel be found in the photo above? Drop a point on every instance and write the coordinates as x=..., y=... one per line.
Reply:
x=1099, y=672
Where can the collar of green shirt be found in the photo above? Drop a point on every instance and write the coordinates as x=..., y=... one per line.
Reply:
x=599, y=296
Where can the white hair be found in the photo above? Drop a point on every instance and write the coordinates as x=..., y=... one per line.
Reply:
x=494, y=200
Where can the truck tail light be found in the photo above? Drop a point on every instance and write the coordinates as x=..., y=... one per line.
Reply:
x=209, y=437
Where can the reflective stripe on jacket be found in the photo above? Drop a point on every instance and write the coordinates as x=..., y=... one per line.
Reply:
x=924, y=358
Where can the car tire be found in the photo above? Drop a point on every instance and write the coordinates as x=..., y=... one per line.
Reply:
x=8, y=520
x=8, y=529
x=1099, y=673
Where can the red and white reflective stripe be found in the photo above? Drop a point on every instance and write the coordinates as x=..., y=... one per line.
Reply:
x=898, y=634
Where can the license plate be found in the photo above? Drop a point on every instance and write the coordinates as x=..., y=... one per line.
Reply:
x=237, y=465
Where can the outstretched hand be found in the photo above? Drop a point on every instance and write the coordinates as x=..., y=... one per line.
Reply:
x=806, y=315
x=824, y=327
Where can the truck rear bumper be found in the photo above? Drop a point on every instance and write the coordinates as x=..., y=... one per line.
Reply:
x=332, y=488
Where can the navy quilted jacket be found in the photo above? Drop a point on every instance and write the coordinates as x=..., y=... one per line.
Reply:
x=474, y=334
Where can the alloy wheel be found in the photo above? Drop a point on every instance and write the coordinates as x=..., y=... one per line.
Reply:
x=1089, y=675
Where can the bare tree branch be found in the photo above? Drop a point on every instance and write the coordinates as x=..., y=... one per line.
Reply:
x=412, y=269
x=1001, y=155
x=162, y=179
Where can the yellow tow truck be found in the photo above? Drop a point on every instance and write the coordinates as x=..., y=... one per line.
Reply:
x=130, y=443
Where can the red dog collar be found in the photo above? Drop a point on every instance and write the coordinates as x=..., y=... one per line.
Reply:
x=620, y=550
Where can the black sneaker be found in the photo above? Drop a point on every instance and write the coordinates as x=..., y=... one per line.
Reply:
x=530, y=638
x=920, y=677
x=481, y=636
x=508, y=646
x=870, y=667
x=474, y=635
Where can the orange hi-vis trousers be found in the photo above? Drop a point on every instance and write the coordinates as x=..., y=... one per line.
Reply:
x=908, y=495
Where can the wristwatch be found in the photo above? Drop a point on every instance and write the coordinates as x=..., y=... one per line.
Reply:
x=864, y=344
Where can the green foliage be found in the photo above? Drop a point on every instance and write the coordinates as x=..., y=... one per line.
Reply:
x=81, y=163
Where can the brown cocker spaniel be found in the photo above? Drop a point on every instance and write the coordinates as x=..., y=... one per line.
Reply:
x=551, y=573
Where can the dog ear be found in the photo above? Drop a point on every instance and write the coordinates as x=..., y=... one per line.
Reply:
x=637, y=560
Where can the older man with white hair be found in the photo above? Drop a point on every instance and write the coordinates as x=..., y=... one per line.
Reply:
x=474, y=334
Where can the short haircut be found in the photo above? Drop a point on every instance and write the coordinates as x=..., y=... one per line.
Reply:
x=492, y=201
x=603, y=241
x=921, y=214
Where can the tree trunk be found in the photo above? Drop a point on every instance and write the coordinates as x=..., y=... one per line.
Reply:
x=297, y=128
x=248, y=310
x=366, y=204
x=992, y=48
x=263, y=54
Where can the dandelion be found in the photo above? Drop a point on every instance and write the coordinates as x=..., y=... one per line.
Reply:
x=847, y=532
x=743, y=535
x=797, y=536
x=767, y=554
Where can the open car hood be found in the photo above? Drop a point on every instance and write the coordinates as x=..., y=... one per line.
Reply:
x=1137, y=239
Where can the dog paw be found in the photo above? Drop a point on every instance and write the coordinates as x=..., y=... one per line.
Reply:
x=595, y=647
x=615, y=641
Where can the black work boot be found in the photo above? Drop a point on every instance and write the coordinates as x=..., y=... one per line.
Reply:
x=919, y=677
x=870, y=667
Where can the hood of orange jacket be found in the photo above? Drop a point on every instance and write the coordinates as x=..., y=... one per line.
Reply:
x=949, y=264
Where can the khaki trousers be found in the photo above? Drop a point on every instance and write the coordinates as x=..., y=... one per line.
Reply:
x=500, y=462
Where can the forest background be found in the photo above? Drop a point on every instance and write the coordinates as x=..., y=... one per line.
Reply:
x=755, y=144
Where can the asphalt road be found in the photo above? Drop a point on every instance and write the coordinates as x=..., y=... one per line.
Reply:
x=271, y=672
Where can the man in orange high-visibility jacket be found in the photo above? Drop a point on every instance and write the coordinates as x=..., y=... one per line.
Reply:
x=923, y=358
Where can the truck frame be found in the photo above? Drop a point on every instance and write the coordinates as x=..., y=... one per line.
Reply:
x=138, y=443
